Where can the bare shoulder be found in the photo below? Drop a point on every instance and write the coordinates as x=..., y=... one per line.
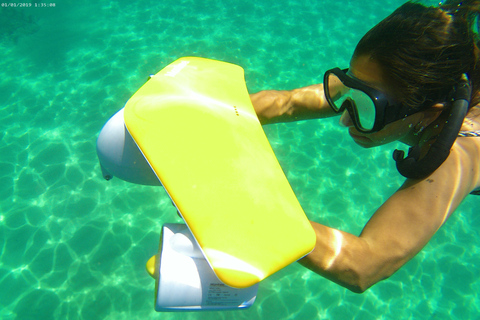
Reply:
x=466, y=150
x=472, y=120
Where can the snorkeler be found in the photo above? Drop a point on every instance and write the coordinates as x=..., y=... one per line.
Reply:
x=413, y=78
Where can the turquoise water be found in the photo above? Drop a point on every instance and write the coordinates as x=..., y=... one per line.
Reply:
x=73, y=246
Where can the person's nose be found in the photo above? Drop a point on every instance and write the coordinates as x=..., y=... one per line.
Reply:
x=345, y=120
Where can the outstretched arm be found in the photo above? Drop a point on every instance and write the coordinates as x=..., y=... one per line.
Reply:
x=400, y=228
x=274, y=106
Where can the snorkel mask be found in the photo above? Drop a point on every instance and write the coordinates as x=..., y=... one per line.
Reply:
x=370, y=110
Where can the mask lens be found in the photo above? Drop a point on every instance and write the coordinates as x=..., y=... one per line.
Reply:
x=336, y=92
x=365, y=109
x=359, y=104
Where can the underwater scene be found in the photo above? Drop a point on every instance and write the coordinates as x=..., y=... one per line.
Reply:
x=74, y=246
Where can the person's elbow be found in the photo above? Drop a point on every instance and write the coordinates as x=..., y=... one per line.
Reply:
x=360, y=282
x=357, y=281
x=365, y=276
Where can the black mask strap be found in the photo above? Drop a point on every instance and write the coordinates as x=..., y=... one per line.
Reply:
x=414, y=168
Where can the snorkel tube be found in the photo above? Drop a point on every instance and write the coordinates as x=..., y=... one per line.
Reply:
x=414, y=168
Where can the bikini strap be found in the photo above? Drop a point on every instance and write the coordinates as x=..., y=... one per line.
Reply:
x=475, y=133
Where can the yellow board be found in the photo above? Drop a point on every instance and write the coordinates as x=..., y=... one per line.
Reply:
x=196, y=126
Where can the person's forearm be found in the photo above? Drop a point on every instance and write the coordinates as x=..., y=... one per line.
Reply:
x=346, y=259
x=274, y=106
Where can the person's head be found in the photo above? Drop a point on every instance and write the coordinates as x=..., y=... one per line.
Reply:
x=414, y=58
x=424, y=51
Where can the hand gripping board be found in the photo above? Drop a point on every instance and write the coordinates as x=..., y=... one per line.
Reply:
x=196, y=126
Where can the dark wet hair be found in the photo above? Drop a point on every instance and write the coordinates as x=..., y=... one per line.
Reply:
x=425, y=50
